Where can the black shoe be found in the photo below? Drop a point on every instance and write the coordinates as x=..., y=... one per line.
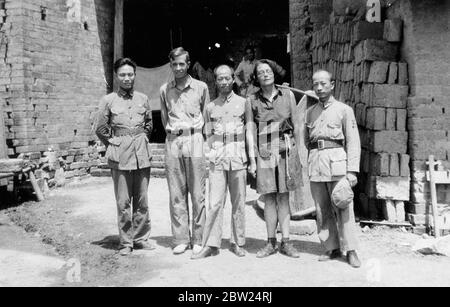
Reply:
x=237, y=250
x=353, y=260
x=266, y=251
x=146, y=245
x=330, y=255
x=289, y=250
x=206, y=252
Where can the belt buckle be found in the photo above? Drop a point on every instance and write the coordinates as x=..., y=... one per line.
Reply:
x=180, y=132
x=321, y=144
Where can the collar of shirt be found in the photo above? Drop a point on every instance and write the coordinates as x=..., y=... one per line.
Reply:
x=228, y=98
x=260, y=95
x=328, y=103
x=125, y=94
x=173, y=83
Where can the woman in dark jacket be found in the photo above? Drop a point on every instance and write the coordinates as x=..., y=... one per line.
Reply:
x=273, y=127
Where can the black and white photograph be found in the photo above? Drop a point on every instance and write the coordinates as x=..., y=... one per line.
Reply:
x=223, y=149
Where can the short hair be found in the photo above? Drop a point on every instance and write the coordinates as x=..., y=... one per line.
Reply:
x=223, y=66
x=325, y=71
x=252, y=48
x=272, y=66
x=122, y=62
x=178, y=52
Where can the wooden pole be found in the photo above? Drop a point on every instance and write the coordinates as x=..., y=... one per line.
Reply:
x=118, y=32
x=3, y=146
x=298, y=91
x=431, y=166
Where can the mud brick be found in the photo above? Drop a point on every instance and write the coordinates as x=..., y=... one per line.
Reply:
x=376, y=50
x=404, y=165
x=376, y=118
x=365, y=161
x=364, y=30
x=378, y=72
x=389, y=211
x=388, y=141
x=360, y=114
x=393, y=73
x=400, y=210
x=393, y=29
x=367, y=94
x=391, y=116
x=401, y=119
x=394, y=188
x=402, y=73
x=419, y=208
x=389, y=96
x=380, y=164
x=420, y=219
x=394, y=165
x=78, y=165
x=70, y=159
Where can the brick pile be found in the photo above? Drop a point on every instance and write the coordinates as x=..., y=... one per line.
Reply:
x=363, y=59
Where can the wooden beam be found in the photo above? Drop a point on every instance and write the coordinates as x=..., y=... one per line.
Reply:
x=118, y=32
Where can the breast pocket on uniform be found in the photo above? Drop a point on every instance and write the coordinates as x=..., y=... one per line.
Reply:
x=334, y=131
x=118, y=115
x=338, y=163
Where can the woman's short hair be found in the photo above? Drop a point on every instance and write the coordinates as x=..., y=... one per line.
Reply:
x=178, y=52
x=271, y=65
x=122, y=62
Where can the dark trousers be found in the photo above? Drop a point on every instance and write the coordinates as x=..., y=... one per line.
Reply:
x=131, y=190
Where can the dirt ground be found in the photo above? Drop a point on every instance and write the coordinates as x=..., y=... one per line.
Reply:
x=70, y=239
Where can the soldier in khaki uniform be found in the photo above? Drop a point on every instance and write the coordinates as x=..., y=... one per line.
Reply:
x=332, y=138
x=124, y=126
x=225, y=130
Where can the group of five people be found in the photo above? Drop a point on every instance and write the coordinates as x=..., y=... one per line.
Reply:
x=258, y=135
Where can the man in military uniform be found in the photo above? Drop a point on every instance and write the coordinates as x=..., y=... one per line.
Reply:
x=182, y=103
x=124, y=125
x=225, y=130
x=332, y=138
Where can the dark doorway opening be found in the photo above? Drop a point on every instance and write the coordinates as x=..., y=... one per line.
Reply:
x=209, y=29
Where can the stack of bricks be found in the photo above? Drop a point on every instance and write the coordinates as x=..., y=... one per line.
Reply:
x=363, y=57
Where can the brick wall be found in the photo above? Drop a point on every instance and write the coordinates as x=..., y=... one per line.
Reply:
x=426, y=48
x=58, y=71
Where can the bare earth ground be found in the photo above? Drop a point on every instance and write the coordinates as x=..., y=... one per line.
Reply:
x=78, y=226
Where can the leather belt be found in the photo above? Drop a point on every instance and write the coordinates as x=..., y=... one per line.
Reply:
x=324, y=144
x=128, y=131
x=228, y=138
x=183, y=131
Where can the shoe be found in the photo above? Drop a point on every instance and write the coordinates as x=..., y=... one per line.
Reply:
x=330, y=255
x=266, y=251
x=353, y=260
x=180, y=248
x=125, y=251
x=237, y=250
x=146, y=245
x=196, y=249
x=289, y=250
x=206, y=252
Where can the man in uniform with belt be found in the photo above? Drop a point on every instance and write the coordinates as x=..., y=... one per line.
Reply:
x=182, y=103
x=124, y=125
x=332, y=138
x=225, y=130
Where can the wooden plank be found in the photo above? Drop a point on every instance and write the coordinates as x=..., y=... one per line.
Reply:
x=385, y=223
x=440, y=177
x=11, y=165
x=431, y=166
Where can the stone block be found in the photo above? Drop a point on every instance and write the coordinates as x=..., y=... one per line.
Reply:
x=422, y=208
x=404, y=165
x=394, y=211
x=391, y=117
x=388, y=141
x=378, y=72
x=376, y=50
x=393, y=188
x=363, y=30
x=380, y=164
x=393, y=73
x=401, y=119
x=303, y=227
x=376, y=119
x=394, y=165
x=393, y=30
x=402, y=73
x=389, y=96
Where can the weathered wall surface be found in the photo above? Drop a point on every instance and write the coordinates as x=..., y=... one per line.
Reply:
x=426, y=48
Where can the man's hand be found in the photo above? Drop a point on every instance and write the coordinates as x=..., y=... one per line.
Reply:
x=252, y=169
x=351, y=177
